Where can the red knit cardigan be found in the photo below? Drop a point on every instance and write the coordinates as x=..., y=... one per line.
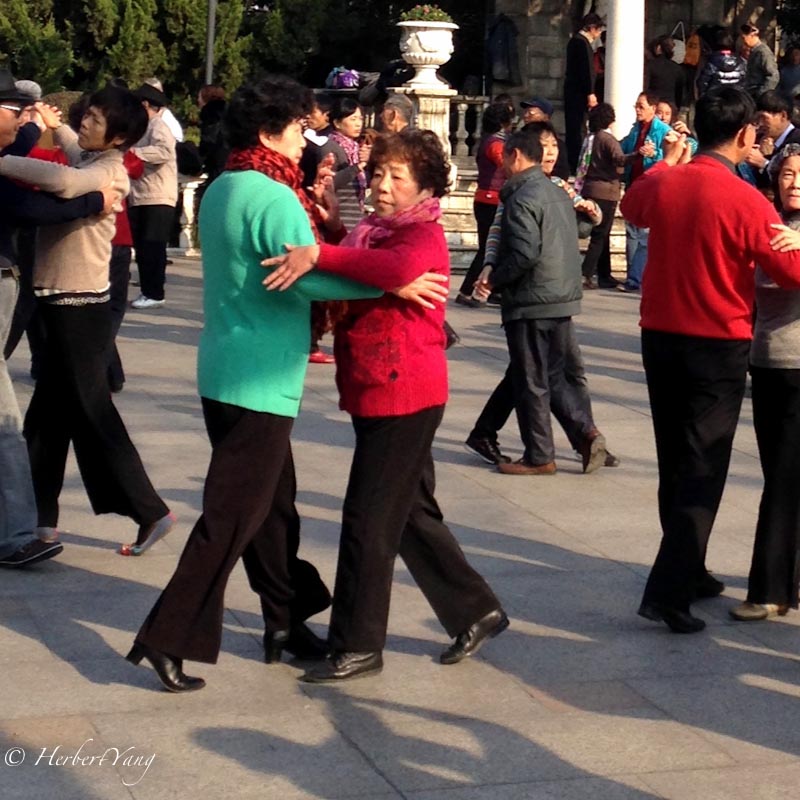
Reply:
x=390, y=358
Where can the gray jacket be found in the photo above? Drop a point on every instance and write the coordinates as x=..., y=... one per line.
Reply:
x=762, y=70
x=538, y=263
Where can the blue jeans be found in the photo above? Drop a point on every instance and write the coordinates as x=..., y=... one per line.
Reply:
x=636, y=254
x=17, y=501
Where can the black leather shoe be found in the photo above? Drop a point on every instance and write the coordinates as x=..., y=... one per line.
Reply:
x=708, y=586
x=168, y=669
x=471, y=640
x=299, y=640
x=677, y=621
x=486, y=448
x=341, y=666
x=611, y=460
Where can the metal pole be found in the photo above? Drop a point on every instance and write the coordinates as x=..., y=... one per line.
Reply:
x=212, y=24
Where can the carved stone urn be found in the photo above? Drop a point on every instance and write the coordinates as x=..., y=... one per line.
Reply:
x=426, y=46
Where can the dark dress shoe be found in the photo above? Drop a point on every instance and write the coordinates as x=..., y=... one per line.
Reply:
x=471, y=640
x=611, y=460
x=708, y=586
x=168, y=669
x=299, y=640
x=678, y=621
x=342, y=666
x=487, y=449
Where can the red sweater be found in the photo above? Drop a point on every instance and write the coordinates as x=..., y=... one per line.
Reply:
x=390, y=358
x=707, y=228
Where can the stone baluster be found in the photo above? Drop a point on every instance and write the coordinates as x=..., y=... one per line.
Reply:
x=186, y=241
x=461, y=148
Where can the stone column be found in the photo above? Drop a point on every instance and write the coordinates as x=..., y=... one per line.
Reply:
x=624, y=59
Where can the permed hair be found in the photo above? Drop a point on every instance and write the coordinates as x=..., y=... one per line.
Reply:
x=268, y=105
x=423, y=153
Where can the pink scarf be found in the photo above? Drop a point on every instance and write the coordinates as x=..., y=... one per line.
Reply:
x=351, y=148
x=374, y=229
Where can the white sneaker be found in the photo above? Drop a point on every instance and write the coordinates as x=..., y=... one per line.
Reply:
x=146, y=302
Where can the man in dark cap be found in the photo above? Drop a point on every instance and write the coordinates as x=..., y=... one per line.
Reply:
x=151, y=203
x=537, y=109
x=579, y=79
x=19, y=544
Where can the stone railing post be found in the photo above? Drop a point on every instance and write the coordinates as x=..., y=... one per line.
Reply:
x=186, y=241
x=461, y=148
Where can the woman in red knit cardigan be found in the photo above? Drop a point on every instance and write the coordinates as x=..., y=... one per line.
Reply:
x=391, y=372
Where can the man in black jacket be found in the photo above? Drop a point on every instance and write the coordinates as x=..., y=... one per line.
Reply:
x=579, y=78
x=538, y=271
x=19, y=545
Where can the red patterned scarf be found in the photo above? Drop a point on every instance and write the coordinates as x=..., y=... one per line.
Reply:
x=276, y=166
x=373, y=229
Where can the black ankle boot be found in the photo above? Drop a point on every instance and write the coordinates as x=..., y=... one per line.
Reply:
x=168, y=669
x=274, y=644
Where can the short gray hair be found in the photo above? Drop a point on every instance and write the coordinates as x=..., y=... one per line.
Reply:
x=401, y=104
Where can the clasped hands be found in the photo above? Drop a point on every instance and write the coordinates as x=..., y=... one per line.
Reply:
x=427, y=290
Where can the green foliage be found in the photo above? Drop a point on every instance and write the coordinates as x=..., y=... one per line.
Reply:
x=79, y=44
x=284, y=34
x=33, y=46
x=136, y=53
x=425, y=13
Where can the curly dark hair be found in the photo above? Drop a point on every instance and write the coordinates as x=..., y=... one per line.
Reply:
x=601, y=116
x=421, y=150
x=269, y=105
x=496, y=117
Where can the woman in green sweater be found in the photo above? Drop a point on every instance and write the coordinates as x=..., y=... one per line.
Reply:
x=252, y=361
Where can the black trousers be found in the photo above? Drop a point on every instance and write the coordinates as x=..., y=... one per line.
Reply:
x=696, y=386
x=151, y=227
x=574, y=125
x=390, y=509
x=248, y=513
x=71, y=403
x=774, y=570
x=484, y=216
x=547, y=373
x=597, y=260
x=119, y=275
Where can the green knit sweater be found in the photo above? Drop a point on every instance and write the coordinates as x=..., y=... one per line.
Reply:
x=254, y=347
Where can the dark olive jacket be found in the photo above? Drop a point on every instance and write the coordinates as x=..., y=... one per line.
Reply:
x=538, y=267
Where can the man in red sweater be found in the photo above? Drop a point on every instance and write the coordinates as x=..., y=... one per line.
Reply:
x=697, y=301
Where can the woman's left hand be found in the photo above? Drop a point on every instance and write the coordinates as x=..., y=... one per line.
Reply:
x=786, y=240
x=428, y=289
x=296, y=263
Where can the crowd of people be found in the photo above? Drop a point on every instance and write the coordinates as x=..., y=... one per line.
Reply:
x=307, y=223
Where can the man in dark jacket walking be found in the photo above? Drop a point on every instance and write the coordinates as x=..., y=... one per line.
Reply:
x=538, y=272
x=579, y=77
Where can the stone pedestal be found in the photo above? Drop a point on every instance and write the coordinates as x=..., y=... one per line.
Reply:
x=433, y=110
